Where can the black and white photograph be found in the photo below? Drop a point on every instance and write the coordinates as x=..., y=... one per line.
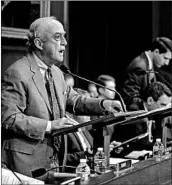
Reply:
x=86, y=92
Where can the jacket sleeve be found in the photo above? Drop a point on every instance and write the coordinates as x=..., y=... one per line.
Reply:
x=133, y=86
x=13, y=106
x=81, y=105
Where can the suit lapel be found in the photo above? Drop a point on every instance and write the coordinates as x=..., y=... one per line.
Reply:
x=38, y=80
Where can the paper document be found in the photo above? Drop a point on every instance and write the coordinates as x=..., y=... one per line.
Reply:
x=137, y=154
x=118, y=160
x=7, y=177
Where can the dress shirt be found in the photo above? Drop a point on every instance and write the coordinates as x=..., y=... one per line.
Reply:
x=149, y=125
x=150, y=67
x=149, y=61
x=43, y=69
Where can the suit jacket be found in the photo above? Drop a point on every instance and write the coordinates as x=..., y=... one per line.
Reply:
x=25, y=111
x=75, y=150
x=136, y=82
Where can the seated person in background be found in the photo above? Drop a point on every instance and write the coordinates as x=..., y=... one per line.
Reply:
x=109, y=82
x=92, y=89
x=136, y=80
x=157, y=95
x=80, y=144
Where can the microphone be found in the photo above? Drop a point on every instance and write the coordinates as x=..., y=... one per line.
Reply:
x=132, y=139
x=67, y=71
x=161, y=77
x=42, y=171
x=144, y=72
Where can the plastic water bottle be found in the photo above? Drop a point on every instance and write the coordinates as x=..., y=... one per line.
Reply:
x=100, y=161
x=83, y=170
x=157, y=150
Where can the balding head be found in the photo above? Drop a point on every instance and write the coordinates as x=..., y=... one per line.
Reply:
x=46, y=39
x=37, y=30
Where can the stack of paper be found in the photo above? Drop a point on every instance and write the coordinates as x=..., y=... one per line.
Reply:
x=138, y=154
x=7, y=177
x=118, y=160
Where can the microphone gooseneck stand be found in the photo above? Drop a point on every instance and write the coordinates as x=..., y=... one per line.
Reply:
x=67, y=71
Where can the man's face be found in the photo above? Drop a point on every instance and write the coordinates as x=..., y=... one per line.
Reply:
x=162, y=59
x=54, y=45
x=107, y=93
x=93, y=91
x=162, y=101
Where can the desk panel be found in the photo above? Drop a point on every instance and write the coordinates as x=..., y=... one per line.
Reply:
x=144, y=172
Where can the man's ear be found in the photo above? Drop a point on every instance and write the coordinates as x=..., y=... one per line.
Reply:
x=150, y=100
x=38, y=43
x=156, y=51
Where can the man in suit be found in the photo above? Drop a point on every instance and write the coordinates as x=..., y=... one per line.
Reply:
x=136, y=77
x=109, y=82
x=35, y=98
x=156, y=95
x=92, y=89
x=104, y=93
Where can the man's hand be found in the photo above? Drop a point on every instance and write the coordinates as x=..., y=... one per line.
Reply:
x=112, y=106
x=62, y=123
x=113, y=144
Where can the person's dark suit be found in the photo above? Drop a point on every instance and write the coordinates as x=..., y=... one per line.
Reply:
x=136, y=82
x=75, y=150
x=26, y=110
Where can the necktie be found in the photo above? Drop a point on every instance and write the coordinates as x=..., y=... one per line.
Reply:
x=55, y=111
x=53, y=99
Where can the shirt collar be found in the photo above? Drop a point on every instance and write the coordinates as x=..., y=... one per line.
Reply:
x=149, y=60
x=40, y=63
x=145, y=106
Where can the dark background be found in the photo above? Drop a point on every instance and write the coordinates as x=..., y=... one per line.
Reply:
x=106, y=36
x=103, y=36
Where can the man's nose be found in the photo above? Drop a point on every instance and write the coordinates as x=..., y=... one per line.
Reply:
x=63, y=41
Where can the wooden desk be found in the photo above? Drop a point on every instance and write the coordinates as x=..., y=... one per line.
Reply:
x=145, y=172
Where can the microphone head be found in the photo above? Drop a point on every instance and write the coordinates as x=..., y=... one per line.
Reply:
x=39, y=172
x=64, y=69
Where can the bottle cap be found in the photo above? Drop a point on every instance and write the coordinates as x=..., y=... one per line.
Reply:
x=100, y=149
x=158, y=140
x=83, y=160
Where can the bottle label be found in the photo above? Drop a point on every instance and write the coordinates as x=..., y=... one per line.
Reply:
x=84, y=176
x=83, y=172
x=100, y=165
x=162, y=150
